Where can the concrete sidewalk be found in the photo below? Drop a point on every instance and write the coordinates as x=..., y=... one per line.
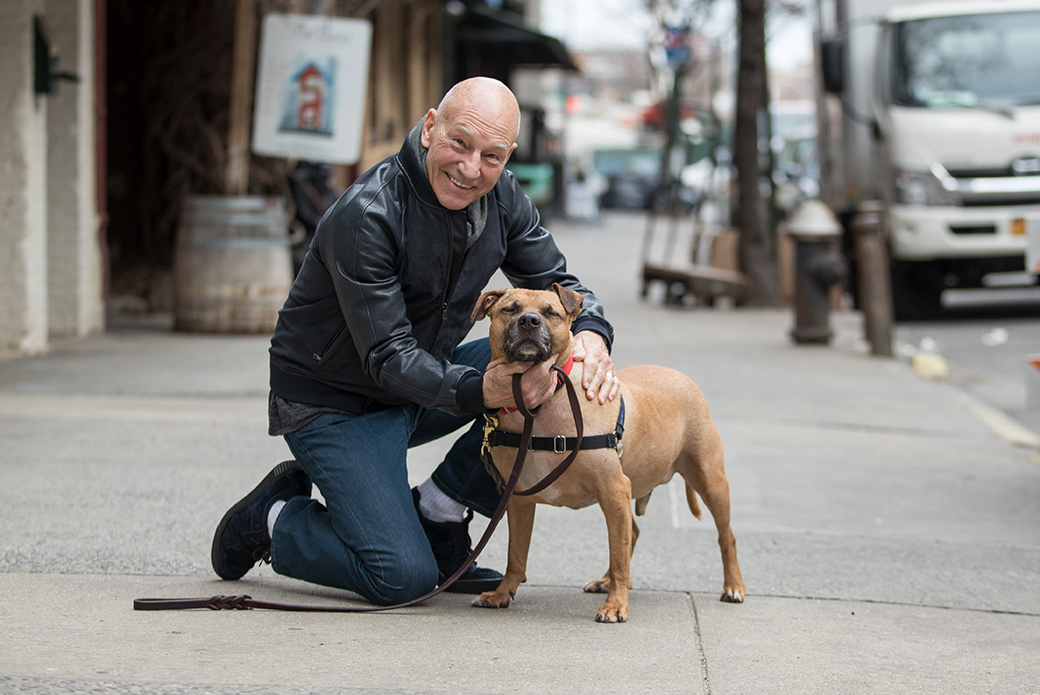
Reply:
x=888, y=536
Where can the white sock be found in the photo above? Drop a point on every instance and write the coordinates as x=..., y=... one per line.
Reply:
x=438, y=507
x=272, y=516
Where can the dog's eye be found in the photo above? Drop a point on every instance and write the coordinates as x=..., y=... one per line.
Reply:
x=551, y=314
x=511, y=309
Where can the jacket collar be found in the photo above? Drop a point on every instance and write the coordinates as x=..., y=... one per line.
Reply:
x=412, y=157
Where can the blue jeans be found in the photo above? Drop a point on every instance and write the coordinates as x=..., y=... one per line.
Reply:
x=367, y=538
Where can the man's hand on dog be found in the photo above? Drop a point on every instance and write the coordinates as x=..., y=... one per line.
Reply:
x=538, y=383
x=599, y=380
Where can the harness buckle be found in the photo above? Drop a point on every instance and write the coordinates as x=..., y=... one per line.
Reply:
x=559, y=444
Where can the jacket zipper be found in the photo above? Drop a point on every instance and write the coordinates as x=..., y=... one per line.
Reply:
x=451, y=281
x=318, y=357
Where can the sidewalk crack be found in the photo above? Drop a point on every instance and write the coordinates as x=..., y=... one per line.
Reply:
x=702, y=659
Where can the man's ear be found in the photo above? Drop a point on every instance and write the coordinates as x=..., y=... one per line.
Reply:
x=484, y=304
x=427, y=128
x=572, y=301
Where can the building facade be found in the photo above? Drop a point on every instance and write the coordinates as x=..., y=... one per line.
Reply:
x=74, y=81
x=52, y=269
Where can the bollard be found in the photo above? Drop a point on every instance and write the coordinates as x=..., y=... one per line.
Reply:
x=875, y=284
x=818, y=267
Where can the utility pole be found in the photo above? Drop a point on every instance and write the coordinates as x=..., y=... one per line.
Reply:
x=677, y=50
x=750, y=213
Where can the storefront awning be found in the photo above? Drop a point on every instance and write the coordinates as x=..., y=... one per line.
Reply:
x=506, y=34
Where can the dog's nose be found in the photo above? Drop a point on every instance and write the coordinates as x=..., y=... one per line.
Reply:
x=528, y=321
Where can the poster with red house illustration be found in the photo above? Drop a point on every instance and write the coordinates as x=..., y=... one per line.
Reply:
x=311, y=86
x=308, y=102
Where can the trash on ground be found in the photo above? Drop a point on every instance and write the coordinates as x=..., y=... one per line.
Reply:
x=929, y=365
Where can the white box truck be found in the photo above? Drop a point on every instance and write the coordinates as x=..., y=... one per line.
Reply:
x=940, y=120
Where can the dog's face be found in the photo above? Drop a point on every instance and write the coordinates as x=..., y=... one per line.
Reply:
x=529, y=325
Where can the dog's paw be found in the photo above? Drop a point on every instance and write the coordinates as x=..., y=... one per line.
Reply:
x=493, y=599
x=598, y=586
x=732, y=596
x=612, y=614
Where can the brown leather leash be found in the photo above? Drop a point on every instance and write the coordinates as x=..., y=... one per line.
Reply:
x=246, y=602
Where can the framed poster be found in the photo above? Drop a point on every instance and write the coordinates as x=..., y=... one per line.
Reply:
x=312, y=79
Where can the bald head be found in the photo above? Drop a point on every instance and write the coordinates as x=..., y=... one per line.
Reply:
x=486, y=94
x=469, y=138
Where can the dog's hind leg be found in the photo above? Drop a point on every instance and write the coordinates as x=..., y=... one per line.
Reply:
x=708, y=479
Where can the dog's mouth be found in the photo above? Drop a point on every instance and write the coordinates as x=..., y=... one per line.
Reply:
x=527, y=345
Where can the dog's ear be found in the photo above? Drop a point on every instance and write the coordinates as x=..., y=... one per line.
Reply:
x=572, y=301
x=484, y=304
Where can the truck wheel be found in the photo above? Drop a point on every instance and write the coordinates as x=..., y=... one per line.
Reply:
x=916, y=295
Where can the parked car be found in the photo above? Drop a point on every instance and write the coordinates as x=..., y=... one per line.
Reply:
x=628, y=189
x=633, y=181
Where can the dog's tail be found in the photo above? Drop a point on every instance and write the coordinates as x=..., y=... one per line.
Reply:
x=691, y=499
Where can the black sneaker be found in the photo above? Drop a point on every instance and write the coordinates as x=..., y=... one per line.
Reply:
x=242, y=539
x=451, y=546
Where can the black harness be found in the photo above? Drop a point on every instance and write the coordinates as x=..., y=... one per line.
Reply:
x=558, y=444
x=561, y=444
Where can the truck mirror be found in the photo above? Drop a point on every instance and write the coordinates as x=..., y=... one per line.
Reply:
x=832, y=54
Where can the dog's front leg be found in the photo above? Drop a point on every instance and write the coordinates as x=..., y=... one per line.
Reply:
x=615, y=499
x=520, y=514
x=602, y=585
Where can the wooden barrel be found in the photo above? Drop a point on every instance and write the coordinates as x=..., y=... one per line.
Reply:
x=232, y=266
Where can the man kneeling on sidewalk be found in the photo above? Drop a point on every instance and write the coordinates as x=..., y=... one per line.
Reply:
x=367, y=361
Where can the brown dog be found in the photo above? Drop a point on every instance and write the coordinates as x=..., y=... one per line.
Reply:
x=666, y=428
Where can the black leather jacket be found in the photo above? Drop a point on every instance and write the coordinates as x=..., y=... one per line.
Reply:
x=385, y=294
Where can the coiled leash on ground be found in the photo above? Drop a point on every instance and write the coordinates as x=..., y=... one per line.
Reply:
x=246, y=602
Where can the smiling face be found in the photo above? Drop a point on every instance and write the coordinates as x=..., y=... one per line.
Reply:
x=469, y=137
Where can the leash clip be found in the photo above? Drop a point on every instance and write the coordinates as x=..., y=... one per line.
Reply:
x=490, y=425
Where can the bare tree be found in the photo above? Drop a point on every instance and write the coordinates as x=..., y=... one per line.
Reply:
x=751, y=212
x=681, y=18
